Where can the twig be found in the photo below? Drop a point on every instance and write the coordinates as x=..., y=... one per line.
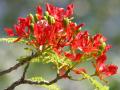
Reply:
x=14, y=85
x=16, y=66
x=20, y=81
x=12, y=68
x=25, y=70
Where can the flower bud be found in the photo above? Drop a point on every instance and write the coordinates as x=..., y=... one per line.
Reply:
x=46, y=14
x=31, y=27
x=51, y=19
x=45, y=18
x=36, y=17
x=66, y=21
x=32, y=18
x=102, y=47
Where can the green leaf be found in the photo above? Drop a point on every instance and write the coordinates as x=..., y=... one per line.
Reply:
x=98, y=85
x=50, y=56
x=11, y=40
x=60, y=60
x=49, y=87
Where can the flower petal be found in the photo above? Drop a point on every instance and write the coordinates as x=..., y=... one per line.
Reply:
x=9, y=31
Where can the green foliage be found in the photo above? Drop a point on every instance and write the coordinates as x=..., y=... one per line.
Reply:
x=11, y=40
x=98, y=85
x=60, y=61
x=49, y=87
x=49, y=56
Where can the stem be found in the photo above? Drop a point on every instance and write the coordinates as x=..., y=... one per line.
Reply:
x=71, y=78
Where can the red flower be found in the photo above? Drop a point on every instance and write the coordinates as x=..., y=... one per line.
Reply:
x=101, y=60
x=107, y=48
x=111, y=69
x=69, y=32
x=41, y=32
x=59, y=13
x=83, y=42
x=56, y=30
x=24, y=21
x=22, y=31
x=104, y=70
x=69, y=10
x=80, y=25
x=22, y=28
x=98, y=40
x=73, y=57
x=100, y=63
x=9, y=32
x=56, y=12
x=39, y=12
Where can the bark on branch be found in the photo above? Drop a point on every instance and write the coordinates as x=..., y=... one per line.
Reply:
x=16, y=66
x=22, y=80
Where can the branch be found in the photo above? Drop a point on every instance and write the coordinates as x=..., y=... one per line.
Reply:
x=22, y=80
x=14, y=85
x=25, y=70
x=27, y=59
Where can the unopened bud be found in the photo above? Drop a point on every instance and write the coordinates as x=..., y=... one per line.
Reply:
x=46, y=14
x=45, y=18
x=102, y=47
x=31, y=27
x=66, y=21
x=36, y=17
x=51, y=19
x=32, y=17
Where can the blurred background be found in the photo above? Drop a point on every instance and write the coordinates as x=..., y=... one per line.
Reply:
x=100, y=16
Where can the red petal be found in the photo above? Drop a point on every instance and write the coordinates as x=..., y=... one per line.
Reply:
x=73, y=57
x=50, y=8
x=78, y=56
x=24, y=21
x=69, y=10
x=9, y=32
x=19, y=30
x=107, y=48
x=80, y=25
x=101, y=59
x=39, y=10
x=112, y=69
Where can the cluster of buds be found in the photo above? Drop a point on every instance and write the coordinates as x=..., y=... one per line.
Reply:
x=56, y=29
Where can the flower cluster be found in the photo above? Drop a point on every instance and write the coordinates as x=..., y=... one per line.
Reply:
x=56, y=29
